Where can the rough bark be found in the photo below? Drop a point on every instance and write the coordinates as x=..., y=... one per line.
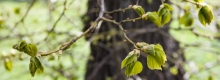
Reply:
x=108, y=53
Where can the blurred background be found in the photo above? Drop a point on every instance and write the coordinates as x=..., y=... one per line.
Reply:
x=48, y=25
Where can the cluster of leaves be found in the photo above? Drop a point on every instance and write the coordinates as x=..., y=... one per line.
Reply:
x=31, y=50
x=155, y=59
x=205, y=14
x=160, y=18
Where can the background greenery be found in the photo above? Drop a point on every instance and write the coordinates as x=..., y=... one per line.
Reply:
x=201, y=51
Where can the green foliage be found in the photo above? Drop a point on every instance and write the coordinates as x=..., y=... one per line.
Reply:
x=32, y=51
x=205, y=15
x=187, y=19
x=138, y=9
x=155, y=59
x=29, y=49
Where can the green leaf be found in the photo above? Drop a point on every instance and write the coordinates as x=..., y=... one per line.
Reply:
x=205, y=15
x=129, y=59
x=139, y=10
x=153, y=17
x=22, y=45
x=161, y=11
x=8, y=64
x=32, y=68
x=133, y=68
x=202, y=18
x=165, y=18
x=187, y=19
x=35, y=65
x=167, y=6
x=158, y=59
x=31, y=50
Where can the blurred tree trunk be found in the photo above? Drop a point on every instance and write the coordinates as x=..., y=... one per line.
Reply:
x=110, y=49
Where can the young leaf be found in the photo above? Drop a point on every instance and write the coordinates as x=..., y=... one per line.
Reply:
x=164, y=13
x=129, y=59
x=8, y=64
x=165, y=18
x=31, y=50
x=153, y=17
x=167, y=6
x=187, y=19
x=133, y=68
x=205, y=15
x=139, y=10
x=157, y=60
x=35, y=65
x=22, y=45
x=32, y=68
x=149, y=49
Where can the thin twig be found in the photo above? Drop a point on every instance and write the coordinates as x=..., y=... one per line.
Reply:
x=129, y=20
x=120, y=10
x=137, y=2
x=61, y=15
x=120, y=26
x=23, y=18
x=68, y=44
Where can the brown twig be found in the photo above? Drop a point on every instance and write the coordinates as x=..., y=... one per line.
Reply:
x=12, y=29
x=120, y=26
x=61, y=15
x=131, y=20
x=119, y=10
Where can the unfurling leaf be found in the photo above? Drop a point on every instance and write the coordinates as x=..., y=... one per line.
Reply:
x=20, y=46
x=8, y=64
x=205, y=15
x=31, y=50
x=164, y=13
x=167, y=6
x=153, y=17
x=129, y=59
x=35, y=65
x=149, y=49
x=187, y=19
x=139, y=10
x=158, y=59
x=133, y=68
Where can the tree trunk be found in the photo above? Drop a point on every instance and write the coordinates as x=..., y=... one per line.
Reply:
x=109, y=48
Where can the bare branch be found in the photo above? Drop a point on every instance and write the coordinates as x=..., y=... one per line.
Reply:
x=120, y=10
